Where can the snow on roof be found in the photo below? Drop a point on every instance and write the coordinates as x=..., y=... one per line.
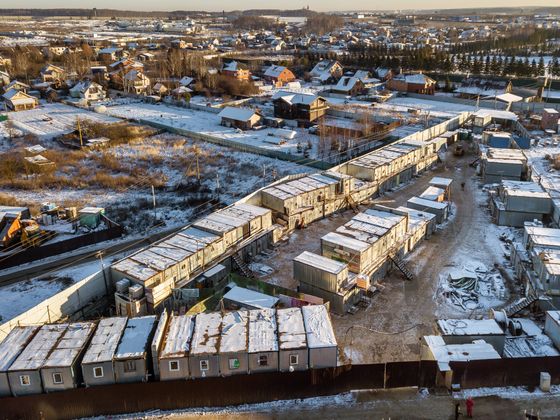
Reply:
x=153, y=260
x=497, y=114
x=445, y=353
x=39, y=348
x=469, y=327
x=262, y=331
x=439, y=181
x=134, y=269
x=432, y=193
x=199, y=235
x=13, y=345
x=345, y=241
x=291, y=330
x=509, y=97
x=293, y=98
x=178, y=338
x=237, y=114
x=136, y=337
x=234, y=337
x=427, y=203
x=346, y=84
x=206, y=337
x=274, y=71
x=524, y=188
x=70, y=346
x=105, y=340
x=320, y=262
x=318, y=327
x=250, y=298
x=554, y=315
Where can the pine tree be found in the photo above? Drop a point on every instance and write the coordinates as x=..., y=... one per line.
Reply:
x=540, y=67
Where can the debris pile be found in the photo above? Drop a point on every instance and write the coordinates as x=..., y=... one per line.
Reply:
x=474, y=287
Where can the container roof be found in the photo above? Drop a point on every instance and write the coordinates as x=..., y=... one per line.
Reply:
x=105, y=340
x=69, y=347
x=291, y=330
x=318, y=327
x=320, y=262
x=262, y=331
x=136, y=337
x=13, y=345
x=178, y=338
x=235, y=335
x=250, y=298
x=206, y=337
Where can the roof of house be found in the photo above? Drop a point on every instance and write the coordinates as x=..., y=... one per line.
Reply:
x=293, y=98
x=237, y=114
x=274, y=71
x=346, y=84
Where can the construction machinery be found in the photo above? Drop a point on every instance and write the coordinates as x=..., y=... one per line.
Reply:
x=32, y=235
x=458, y=150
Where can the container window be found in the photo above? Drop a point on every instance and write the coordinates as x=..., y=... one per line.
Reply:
x=25, y=380
x=130, y=366
x=263, y=360
x=294, y=359
x=57, y=378
x=174, y=365
x=98, y=372
x=204, y=365
x=234, y=363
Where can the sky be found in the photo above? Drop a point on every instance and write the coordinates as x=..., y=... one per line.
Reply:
x=319, y=5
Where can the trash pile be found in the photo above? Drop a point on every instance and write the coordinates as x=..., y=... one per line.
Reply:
x=474, y=287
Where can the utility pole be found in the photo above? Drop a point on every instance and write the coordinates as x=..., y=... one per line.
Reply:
x=154, y=202
x=80, y=132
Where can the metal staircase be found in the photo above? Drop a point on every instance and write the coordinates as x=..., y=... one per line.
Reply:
x=401, y=265
x=522, y=304
x=243, y=268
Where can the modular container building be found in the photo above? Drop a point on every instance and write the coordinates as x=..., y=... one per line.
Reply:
x=97, y=364
x=258, y=218
x=444, y=184
x=357, y=254
x=321, y=340
x=239, y=297
x=10, y=348
x=174, y=358
x=440, y=210
x=24, y=374
x=61, y=369
x=292, y=340
x=227, y=228
x=552, y=327
x=263, y=341
x=465, y=331
x=319, y=271
x=234, y=341
x=213, y=245
x=204, y=360
x=157, y=342
x=527, y=197
x=500, y=164
x=433, y=194
x=131, y=360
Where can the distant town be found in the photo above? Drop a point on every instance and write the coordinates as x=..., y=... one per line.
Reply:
x=283, y=213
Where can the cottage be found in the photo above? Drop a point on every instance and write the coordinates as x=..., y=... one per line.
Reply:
x=173, y=360
x=347, y=85
x=321, y=341
x=326, y=71
x=234, y=343
x=204, y=360
x=61, y=369
x=413, y=83
x=242, y=118
x=17, y=100
x=292, y=340
x=131, y=360
x=88, y=90
x=236, y=70
x=10, y=348
x=16, y=85
x=159, y=89
x=278, y=75
x=24, y=374
x=263, y=341
x=97, y=364
x=303, y=107
x=111, y=54
x=52, y=74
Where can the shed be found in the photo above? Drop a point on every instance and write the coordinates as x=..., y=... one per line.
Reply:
x=321, y=340
x=242, y=118
x=131, y=361
x=61, y=369
x=292, y=340
x=24, y=374
x=234, y=342
x=263, y=341
x=240, y=297
x=173, y=360
x=204, y=358
x=90, y=216
x=97, y=364
x=10, y=348
x=320, y=271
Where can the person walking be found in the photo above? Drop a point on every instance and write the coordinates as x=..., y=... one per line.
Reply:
x=457, y=410
x=470, y=405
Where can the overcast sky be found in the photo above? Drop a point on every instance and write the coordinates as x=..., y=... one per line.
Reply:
x=322, y=5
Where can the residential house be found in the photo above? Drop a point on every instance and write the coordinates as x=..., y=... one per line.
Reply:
x=326, y=71
x=159, y=89
x=88, y=90
x=242, y=118
x=413, y=83
x=16, y=100
x=97, y=364
x=4, y=78
x=236, y=70
x=136, y=82
x=278, y=75
x=474, y=88
x=111, y=54
x=53, y=74
x=14, y=84
x=145, y=56
x=384, y=74
x=347, y=85
x=303, y=107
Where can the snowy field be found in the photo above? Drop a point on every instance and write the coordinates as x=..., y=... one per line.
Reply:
x=435, y=108
x=51, y=120
x=208, y=124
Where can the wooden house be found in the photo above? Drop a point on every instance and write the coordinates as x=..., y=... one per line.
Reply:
x=413, y=83
x=236, y=70
x=278, y=75
x=52, y=74
x=242, y=118
x=303, y=107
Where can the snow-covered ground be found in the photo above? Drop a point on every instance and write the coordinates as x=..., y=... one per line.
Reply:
x=50, y=120
x=208, y=123
x=435, y=108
